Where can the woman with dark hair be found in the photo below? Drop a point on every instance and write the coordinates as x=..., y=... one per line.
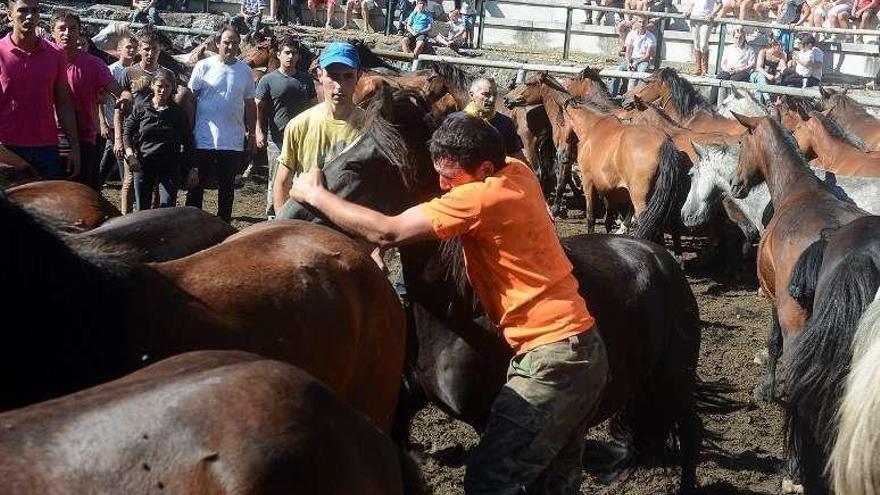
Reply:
x=768, y=68
x=157, y=140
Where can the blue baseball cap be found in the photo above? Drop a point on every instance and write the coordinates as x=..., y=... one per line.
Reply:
x=340, y=53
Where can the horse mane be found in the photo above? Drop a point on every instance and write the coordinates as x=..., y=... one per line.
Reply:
x=592, y=75
x=854, y=464
x=454, y=75
x=845, y=102
x=389, y=136
x=584, y=102
x=682, y=94
x=790, y=148
x=370, y=60
x=663, y=115
x=835, y=130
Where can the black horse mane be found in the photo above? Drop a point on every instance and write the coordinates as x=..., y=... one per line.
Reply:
x=456, y=77
x=663, y=115
x=584, y=102
x=837, y=131
x=801, y=104
x=370, y=60
x=385, y=125
x=683, y=96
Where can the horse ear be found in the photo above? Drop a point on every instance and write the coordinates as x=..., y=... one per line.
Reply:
x=748, y=122
x=804, y=114
x=825, y=92
x=700, y=150
x=776, y=115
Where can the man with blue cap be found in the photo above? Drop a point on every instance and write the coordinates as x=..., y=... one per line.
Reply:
x=318, y=134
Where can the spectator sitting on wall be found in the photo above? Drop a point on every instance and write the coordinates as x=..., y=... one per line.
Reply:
x=805, y=67
x=364, y=6
x=313, y=9
x=865, y=13
x=640, y=45
x=738, y=59
x=146, y=11
x=768, y=69
x=418, y=25
x=791, y=13
x=469, y=14
x=249, y=18
x=457, y=35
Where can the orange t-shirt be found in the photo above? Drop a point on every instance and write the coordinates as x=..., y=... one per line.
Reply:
x=514, y=259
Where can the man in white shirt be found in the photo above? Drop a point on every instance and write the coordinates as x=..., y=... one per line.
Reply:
x=738, y=59
x=640, y=45
x=225, y=119
x=805, y=67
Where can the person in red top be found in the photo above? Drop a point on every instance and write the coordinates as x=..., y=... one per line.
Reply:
x=33, y=91
x=534, y=438
x=88, y=76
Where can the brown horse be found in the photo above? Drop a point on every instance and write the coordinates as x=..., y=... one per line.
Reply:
x=292, y=291
x=851, y=116
x=73, y=206
x=213, y=422
x=162, y=234
x=650, y=114
x=803, y=208
x=835, y=148
x=678, y=98
x=261, y=56
x=14, y=170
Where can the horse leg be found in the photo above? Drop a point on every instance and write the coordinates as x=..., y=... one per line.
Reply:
x=766, y=390
x=589, y=197
x=563, y=176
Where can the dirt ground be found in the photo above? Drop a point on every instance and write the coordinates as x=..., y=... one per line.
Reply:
x=742, y=452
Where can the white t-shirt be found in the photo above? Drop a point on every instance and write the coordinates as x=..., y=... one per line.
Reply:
x=116, y=70
x=702, y=8
x=221, y=92
x=814, y=55
x=640, y=43
x=735, y=57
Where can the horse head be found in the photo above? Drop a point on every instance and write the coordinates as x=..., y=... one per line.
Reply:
x=751, y=163
x=707, y=174
x=743, y=103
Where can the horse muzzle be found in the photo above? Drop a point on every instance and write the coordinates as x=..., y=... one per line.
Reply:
x=511, y=102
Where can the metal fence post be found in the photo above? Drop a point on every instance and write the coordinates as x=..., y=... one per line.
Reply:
x=482, y=24
x=389, y=16
x=722, y=33
x=414, y=65
x=206, y=5
x=566, y=45
x=661, y=27
x=520, y=76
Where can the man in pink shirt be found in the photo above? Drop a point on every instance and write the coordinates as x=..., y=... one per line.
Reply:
x=87, y=77
x=33, y=91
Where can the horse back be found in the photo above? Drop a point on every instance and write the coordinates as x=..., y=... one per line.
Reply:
x=203, y=422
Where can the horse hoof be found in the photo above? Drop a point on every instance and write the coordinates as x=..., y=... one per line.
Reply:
x=791, y=488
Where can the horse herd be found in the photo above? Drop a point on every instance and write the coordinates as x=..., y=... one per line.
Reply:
x=165, y=350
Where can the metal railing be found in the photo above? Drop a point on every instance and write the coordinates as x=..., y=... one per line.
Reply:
x=570, y=7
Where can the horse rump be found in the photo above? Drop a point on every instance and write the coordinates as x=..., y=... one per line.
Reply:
x=820, y=364
x=665, y=192
x=854, y=466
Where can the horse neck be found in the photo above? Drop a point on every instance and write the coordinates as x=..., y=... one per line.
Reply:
x=825, y=146
x=554, y=104
x=785, y=173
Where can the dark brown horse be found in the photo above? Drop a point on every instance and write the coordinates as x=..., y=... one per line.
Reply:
x=838, y=276
x=162, y=234
x=852, y=116
x=220, y=423
x=834, y=148
x=803, y=207
x=678, y=98
x=14, y=170
x=72, y=206
x=646, y=311
x=292, y=291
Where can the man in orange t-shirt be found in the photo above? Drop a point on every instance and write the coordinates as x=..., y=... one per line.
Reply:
x=534, y=438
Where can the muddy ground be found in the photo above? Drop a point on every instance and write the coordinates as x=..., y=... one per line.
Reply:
x=743, y=448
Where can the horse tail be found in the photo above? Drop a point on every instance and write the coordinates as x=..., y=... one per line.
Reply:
x=805, y=275
x=821, y=364
x=664, y=192
x=661, y=423
x=854, y=465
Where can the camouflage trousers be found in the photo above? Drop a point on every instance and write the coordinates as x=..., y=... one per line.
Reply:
x=534, y=439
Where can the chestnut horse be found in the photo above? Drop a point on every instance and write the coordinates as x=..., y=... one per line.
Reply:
x=14, y=170
x=211, y=422
x=803, y=208
x=840, y=275
x=678, y=98
x=292, y=291
x=836, y=149
x=852, y=116
x=646, y=311
x=73, y=206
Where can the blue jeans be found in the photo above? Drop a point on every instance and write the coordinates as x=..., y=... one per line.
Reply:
x=241, y=26
x=616, y=83
x=163, y=172
x=760, y=78
x=44, y=159
x=151, y=16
